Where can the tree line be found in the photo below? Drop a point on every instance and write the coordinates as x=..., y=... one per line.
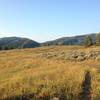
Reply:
x=6, y=47
x=9, y=47
x=88, y=41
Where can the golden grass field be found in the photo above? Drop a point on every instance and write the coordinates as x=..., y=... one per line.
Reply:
x=25, y=72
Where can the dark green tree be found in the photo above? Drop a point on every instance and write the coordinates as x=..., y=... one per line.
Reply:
x=98, y=39
x=6, y=48
x=88, y=41
x=0, y=48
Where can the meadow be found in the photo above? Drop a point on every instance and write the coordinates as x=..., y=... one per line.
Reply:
x=46, y=72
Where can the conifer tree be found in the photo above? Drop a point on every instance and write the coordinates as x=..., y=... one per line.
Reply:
x=88, y=41
x=98, y=39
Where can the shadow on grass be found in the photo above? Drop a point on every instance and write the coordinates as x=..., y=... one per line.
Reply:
x=21, y=97
x=33, y=97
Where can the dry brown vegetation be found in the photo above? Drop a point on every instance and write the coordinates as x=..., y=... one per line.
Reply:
x=46, y=72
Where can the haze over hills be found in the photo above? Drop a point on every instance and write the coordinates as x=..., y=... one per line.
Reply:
x=74, y=40
x=18, y=42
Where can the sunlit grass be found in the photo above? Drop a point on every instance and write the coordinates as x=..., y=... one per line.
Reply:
x=27, y=72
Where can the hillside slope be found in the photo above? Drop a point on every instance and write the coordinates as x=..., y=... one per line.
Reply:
x=17, y=42
x=74, y=40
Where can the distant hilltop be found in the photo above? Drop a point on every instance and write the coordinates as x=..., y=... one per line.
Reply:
x=18, y=42
x=74, y=40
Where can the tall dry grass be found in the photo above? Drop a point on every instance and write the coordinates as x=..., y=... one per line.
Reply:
x=25, y=74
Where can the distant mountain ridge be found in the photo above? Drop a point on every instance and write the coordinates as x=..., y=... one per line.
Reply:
x=17, y=42
x=74, y=40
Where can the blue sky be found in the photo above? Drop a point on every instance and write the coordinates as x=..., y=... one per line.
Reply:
x=43, y=20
